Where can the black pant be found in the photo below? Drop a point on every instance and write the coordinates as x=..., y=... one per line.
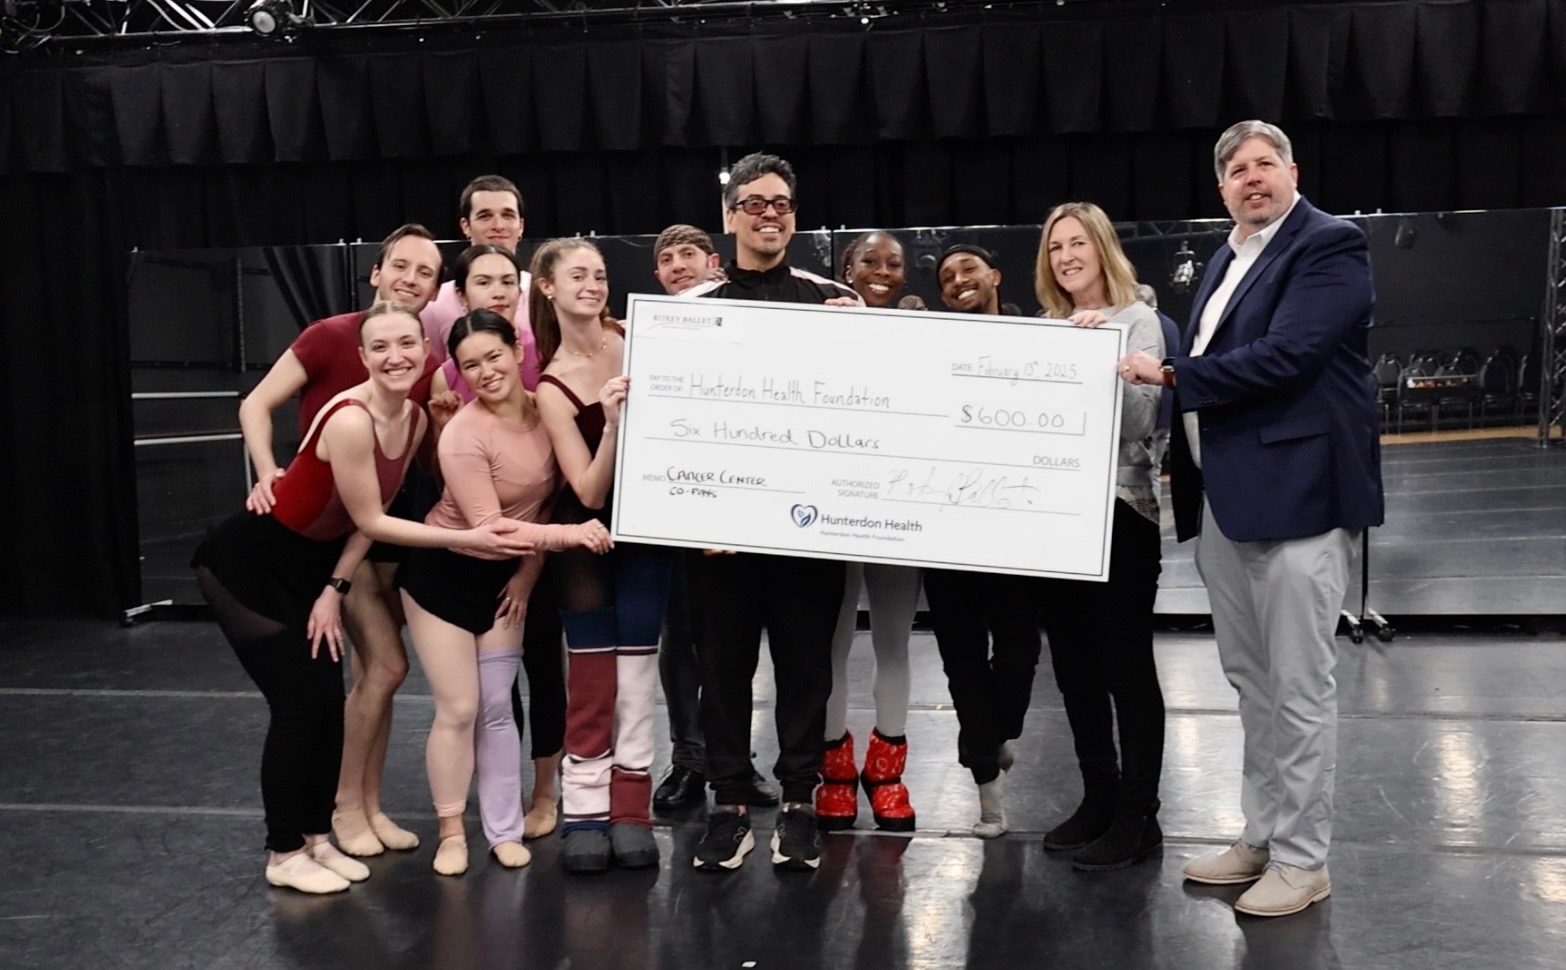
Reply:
x=1101, y=643
x=987, y=630
x=542, y=638
x=797, y=601
x=304, y=738
x=679, y=669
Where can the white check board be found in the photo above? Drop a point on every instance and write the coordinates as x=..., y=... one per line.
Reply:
x=948, y=440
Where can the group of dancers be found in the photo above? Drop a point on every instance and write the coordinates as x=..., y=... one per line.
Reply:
x=504, y=387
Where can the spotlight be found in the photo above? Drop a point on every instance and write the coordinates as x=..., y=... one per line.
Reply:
x=274, y=18
x=1184, y=269
x=1405, y=235
x=723, y=176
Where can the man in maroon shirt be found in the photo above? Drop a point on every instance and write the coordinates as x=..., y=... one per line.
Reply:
x=322, y=362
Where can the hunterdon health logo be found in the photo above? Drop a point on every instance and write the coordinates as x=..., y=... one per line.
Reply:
x=805, y=516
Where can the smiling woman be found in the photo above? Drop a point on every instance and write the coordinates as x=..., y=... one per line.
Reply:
x=466, y=612
x=275, y=580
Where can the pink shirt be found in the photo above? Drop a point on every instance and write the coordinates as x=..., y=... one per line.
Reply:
x=444, y=310
x=496, y=468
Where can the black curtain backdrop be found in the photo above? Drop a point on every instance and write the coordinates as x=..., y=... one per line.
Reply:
x=977, y=118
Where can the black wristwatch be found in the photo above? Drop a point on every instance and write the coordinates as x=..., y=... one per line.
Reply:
x=1167, y=366
x=341, y=585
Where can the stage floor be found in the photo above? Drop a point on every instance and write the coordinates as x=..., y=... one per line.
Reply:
x=130, y=823
x=1474, y=527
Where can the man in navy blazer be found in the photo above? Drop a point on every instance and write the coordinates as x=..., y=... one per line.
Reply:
x=1277, y=468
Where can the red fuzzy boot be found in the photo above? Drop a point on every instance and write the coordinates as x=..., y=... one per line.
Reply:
x=837, y=797
x=885, y=760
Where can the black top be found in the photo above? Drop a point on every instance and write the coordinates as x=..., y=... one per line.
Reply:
x=780, y=284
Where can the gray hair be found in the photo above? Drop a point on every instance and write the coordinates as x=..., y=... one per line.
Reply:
x=1230, y=141
x=752, y=167
x=1147, y=295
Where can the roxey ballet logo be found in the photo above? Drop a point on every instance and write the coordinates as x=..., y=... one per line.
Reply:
x=804, y=516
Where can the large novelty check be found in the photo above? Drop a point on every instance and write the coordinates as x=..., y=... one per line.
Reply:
x=936, y=439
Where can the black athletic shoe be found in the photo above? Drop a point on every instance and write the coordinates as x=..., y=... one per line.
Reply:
x=795, y=842
x=682, y=786
x=727, y=842
x=759, y=794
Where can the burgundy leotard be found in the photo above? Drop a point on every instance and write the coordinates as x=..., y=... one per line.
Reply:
x=307, y=499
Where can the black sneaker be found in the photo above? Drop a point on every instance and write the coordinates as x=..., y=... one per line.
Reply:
x=795, y=842
x=727, y=842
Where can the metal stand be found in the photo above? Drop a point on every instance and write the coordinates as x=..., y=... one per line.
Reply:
x=1552, y=336
x=1366, y=616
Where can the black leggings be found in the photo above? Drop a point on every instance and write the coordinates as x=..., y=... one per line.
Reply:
x=542, y=648
x=304, y=736
x=987, y=631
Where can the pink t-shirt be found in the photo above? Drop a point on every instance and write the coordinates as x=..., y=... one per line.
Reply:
x=444, y=310
x=496, y=468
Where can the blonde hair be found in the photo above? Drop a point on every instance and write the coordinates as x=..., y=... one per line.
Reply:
x=541, y=311
x=1119, y=276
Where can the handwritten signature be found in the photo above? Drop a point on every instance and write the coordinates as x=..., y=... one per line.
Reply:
x=973, y=487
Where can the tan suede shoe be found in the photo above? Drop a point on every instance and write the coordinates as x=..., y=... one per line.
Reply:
x=1284, y=890
x=1228, y=867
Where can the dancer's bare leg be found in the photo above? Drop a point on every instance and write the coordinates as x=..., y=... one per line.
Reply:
x=380, y=665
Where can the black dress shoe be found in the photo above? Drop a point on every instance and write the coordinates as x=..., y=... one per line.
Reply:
x=759, y=794
x=682, y=786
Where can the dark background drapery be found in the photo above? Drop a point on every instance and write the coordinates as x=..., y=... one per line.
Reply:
x=969, y=118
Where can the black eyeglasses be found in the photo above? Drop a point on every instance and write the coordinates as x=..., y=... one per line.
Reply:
x=755, y=205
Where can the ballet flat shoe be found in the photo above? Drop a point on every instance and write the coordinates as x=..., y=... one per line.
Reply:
x=451, y=856
x=302, y=873
x=540, y=820
x=392, y=835
x=512, y=855
x=326, y=854
x=356, y=840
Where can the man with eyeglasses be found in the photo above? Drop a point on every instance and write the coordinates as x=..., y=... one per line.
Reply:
x=737, y=595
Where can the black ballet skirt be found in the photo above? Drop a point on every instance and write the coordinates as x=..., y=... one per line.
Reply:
x=268, y=567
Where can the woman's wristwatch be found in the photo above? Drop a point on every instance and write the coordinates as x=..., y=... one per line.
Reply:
x=341, y=585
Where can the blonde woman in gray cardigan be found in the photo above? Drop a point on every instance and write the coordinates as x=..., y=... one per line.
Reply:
x=1101, y=634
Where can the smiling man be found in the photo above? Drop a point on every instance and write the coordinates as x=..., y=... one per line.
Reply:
x=1277, y=470
x=969, y=281
x=491, y=207
x=682, y=257
x=322, y=362
x=735, y=596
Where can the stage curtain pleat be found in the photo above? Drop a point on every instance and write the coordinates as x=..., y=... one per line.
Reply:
x=1012, y=78
x=1137, y=95
x=1445, y=56
x=1256, y=63
x=450, y=97
x=614, y=83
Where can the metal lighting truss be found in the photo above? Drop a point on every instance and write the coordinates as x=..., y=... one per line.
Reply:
x=1552, y=335
x=31, y=23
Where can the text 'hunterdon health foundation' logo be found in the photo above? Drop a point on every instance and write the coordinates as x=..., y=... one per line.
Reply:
x=804, y=516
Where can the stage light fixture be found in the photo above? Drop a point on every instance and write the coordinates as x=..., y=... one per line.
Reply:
x=274, y=18
x=1184, y=269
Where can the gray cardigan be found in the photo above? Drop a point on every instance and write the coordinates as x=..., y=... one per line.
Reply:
x=1139, y=407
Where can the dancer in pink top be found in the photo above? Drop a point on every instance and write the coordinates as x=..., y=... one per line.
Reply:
x=465, y=613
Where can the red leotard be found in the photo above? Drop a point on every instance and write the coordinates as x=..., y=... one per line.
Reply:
x=307, y=499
